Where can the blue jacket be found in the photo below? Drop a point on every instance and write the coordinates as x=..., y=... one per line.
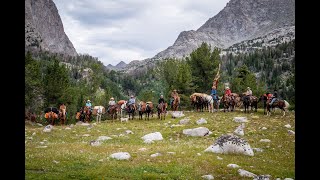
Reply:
x=88, y=104
x=214, y=93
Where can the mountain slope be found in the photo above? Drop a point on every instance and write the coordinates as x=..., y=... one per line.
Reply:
x=240, y=20
x=44, y=29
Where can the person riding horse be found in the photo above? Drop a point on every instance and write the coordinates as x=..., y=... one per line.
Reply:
x=174, y=94
x=161, y=99
x=132, y=100
x=228, y=93
x=274, y=97
x=248, y=93
x=214, y=93
x=111, y=103
x=89, y=105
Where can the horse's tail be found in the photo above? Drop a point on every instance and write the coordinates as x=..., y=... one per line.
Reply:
x=286, y=104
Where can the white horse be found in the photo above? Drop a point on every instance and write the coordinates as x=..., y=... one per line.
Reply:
x=122, y=108
x=99, y=110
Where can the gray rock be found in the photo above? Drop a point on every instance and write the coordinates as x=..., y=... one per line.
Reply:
x=245, y=173
x=44, y=29
x=201, y=121
x=120, y=155
x=230, y=144
x=156, y=136
x=208, y=176
x=200, y=131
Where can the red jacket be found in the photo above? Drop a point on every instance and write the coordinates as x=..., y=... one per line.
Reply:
x=269, y=96
x=227, y=92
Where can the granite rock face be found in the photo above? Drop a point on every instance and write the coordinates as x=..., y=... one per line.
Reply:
x=240, y=20
x=44, y=29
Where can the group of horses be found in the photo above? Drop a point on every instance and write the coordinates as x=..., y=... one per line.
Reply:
x=202, y=101
x=52, y=114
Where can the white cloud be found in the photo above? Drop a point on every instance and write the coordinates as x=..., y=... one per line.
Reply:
x=126, y=30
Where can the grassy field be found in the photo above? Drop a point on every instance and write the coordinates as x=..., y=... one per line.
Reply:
x=66, y=153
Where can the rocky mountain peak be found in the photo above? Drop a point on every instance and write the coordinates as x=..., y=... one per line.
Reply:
x=44, y=29
x=240, y=20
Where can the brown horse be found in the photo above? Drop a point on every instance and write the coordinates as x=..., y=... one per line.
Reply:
x=131, y=110
x=145, y=107
x=113, y=111
x=87, y=114
x=162, y=110
x=175, y=103
x=228, y=103
x=281, y=104
x=51, y=117
x=62, y=114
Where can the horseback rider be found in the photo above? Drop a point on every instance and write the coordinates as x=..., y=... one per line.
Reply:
x=248, y=93
x=89, y=105
x=214, y=93
x=132, y=100
x=161, y=99
x=274, y=97
x=228, y=93
x=111, y=103
x=173, y=95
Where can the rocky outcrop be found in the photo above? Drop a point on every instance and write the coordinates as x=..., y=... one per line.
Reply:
x=240, y=20
x=44, y=29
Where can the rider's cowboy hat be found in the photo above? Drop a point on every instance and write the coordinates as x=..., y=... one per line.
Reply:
x=248, y=87
x=174, y=90
x=112, y=98
x=131, y=96
x=227, y=87
x=88, y=100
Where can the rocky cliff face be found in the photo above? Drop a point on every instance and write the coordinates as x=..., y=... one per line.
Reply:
x=240, y=20
x=44, y=28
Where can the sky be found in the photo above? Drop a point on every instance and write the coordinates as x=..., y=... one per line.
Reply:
x=127, y=30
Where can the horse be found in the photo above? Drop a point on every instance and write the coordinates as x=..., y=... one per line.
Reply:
x=228, y=103
x=281, y=104
x=175, y=103
x=263, y=99
x=145, y=107
x=113, y=111
x=200, y=103
x=131, y=110
x=62, y=114
x=51, y=114
x=162, y=110
x=122, y=106
x=87, y=114
x=98, y=111
x=251, y=101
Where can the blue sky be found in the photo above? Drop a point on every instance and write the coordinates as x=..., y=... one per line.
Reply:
x=126, y=30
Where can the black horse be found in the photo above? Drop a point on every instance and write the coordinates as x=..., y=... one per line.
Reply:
x=200, y=103
x=131, y=110
x=263, y=99
x=246, y=103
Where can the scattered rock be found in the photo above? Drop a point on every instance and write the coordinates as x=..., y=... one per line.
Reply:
x=200, y=131
x=255, y=117
x=129, y=132
x=156, y=136
x=34, y=133
x=39, y=124
x=67, y=128
x=288, y=179
x=240, y=119
x=86, y=135
x=291, y=132
x=263, y=128
x=41, y=146
x=201, y=121
x=208, y=176
x=184, y=121
x=287, y=126
x=233, y=166
x=103, y=138
x=198, y=154
x=155, y=155
x=56, y=162
x=177, y=114
x=265, y=140
x=258, y=149
x=239, y=131
x=219, y=158
x=120, y=155
x=245, y=173
x=148, y=141
x=233, y=144
x=95, y=143
x=262, y=177
x=142, y=149
x=48, y=128
x=85, y=124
